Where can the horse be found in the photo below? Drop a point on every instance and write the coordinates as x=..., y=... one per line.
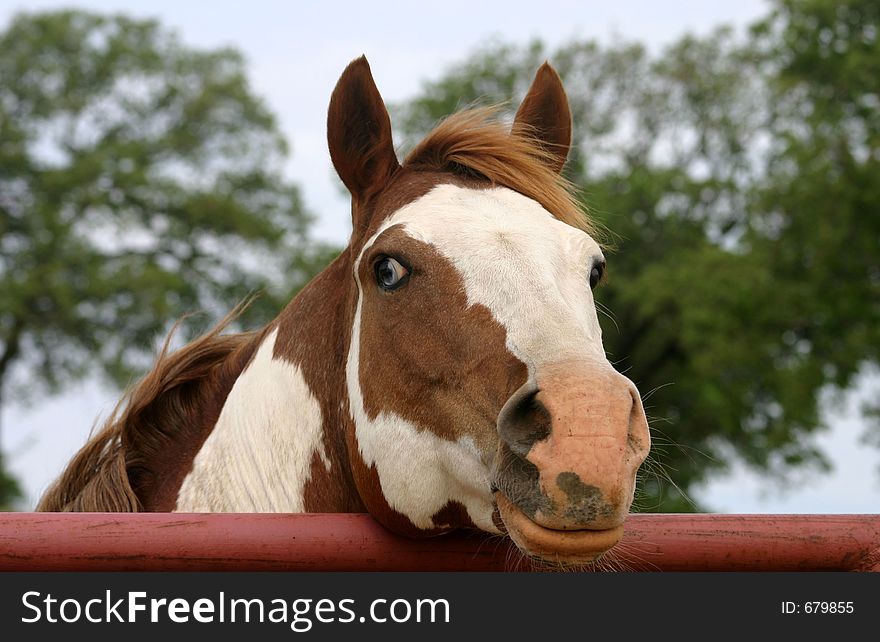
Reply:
x=446, y=371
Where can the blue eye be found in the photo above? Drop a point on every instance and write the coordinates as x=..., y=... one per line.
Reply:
x=390, y=274
x=596, y=274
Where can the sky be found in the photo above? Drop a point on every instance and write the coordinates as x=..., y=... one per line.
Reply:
x=295, y=53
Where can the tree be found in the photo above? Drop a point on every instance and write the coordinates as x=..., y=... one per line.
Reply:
x=139, y=180
x=738, y=176
x=821, y=193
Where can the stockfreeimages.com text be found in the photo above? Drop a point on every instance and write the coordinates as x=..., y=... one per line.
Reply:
x=300, y=614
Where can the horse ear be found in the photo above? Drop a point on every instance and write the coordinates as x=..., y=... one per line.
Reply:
x=359, y=132
x=545, y=115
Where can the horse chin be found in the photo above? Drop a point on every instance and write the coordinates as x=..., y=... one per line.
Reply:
x=567, y=547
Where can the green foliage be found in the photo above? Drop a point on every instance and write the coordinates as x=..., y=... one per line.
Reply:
x=10, y=491
x=822, y=188
x=739, y=178
x=140, y=180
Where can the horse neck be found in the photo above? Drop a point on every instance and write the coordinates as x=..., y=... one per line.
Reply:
x=279, y=442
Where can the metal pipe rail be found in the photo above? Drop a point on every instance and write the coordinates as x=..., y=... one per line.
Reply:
x=354, y=542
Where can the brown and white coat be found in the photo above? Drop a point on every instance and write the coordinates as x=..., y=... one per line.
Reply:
x=445, y=371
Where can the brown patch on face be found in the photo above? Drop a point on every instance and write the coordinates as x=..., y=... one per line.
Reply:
x=425, y=355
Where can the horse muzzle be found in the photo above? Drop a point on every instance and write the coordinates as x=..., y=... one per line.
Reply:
x=571, y=444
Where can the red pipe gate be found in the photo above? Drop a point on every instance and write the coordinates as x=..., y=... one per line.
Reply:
x=354, y=542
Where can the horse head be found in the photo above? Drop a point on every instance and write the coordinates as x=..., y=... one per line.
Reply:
x=479, y=393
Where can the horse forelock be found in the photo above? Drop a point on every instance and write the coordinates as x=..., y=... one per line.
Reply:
x=478, y=144
x=477, y=148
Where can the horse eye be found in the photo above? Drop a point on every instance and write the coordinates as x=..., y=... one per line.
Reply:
x=596, y=274
x=390, y=274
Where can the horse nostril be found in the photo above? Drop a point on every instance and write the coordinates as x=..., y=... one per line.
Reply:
x=523, y=420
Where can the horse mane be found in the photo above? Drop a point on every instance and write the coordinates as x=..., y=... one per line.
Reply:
x=477, y=143
x=118, y=459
